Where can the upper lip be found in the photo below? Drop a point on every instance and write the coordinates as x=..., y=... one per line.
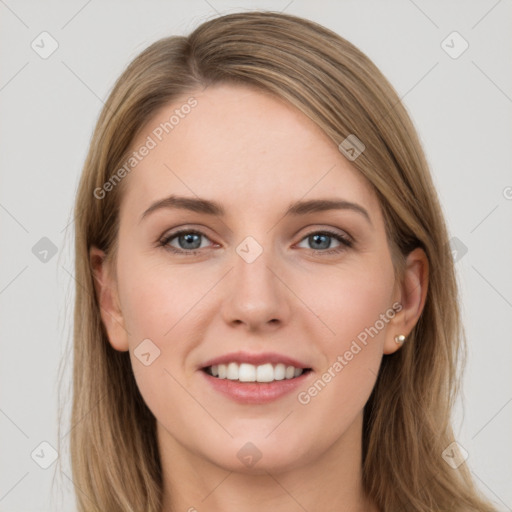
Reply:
x=255, y=359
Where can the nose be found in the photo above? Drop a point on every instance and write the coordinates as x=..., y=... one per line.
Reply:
x=256, y=297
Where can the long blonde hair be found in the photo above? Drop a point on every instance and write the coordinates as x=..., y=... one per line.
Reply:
x=407, y=420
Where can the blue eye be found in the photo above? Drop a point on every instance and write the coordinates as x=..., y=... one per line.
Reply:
x=189, y=242
x=321, y=240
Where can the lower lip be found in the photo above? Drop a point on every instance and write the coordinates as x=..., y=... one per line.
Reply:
x=255, y=392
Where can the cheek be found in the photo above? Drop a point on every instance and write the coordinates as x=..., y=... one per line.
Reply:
x=156, y=297
x=357, y=309
x=354, y=300
x=158, y=305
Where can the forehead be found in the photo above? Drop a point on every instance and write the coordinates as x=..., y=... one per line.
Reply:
x=241, y=146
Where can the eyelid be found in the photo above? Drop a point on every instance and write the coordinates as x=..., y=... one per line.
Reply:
x=310, y=229
x=314, y=228
x=345, y=240
x=170, y=235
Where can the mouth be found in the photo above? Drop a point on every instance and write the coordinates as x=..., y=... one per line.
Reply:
x=251, y=378
x=263, y=373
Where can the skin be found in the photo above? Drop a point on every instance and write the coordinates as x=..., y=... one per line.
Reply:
x=254, y=154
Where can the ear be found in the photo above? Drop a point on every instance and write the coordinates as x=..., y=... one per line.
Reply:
x=411, y=294
x=107, y=294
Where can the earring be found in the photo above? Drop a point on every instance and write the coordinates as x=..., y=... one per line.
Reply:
x=399, y=339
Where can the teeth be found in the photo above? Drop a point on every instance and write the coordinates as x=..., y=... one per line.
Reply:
x=265, y=373
x=250, y=373
x=246, y=372
x=232, y=371
x=280, y=371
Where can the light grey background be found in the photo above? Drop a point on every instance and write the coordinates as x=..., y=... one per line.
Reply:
x=48, y=107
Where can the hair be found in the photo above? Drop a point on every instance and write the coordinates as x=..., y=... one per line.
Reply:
x=407, y=419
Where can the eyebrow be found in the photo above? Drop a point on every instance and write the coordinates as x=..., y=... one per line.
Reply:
x=209, y=207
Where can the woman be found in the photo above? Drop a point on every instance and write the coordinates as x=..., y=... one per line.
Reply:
x=267, y=316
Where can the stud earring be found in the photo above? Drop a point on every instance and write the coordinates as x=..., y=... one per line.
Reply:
x=399, y=339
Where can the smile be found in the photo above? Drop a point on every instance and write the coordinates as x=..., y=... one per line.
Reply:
x=245, y=372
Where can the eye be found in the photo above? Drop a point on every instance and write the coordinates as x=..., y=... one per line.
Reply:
x=322, y=240
x=188, y=241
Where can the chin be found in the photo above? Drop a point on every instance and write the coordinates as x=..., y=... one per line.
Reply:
x=259, y=454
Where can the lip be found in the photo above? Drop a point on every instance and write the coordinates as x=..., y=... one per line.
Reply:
x=255, y=392
x=255, y=359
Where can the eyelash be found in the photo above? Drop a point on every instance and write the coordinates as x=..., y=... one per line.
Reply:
x=346, y=243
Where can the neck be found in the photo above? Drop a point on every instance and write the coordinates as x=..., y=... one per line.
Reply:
x=331, y=482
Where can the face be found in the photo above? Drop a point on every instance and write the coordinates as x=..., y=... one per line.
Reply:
x=259, y=279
